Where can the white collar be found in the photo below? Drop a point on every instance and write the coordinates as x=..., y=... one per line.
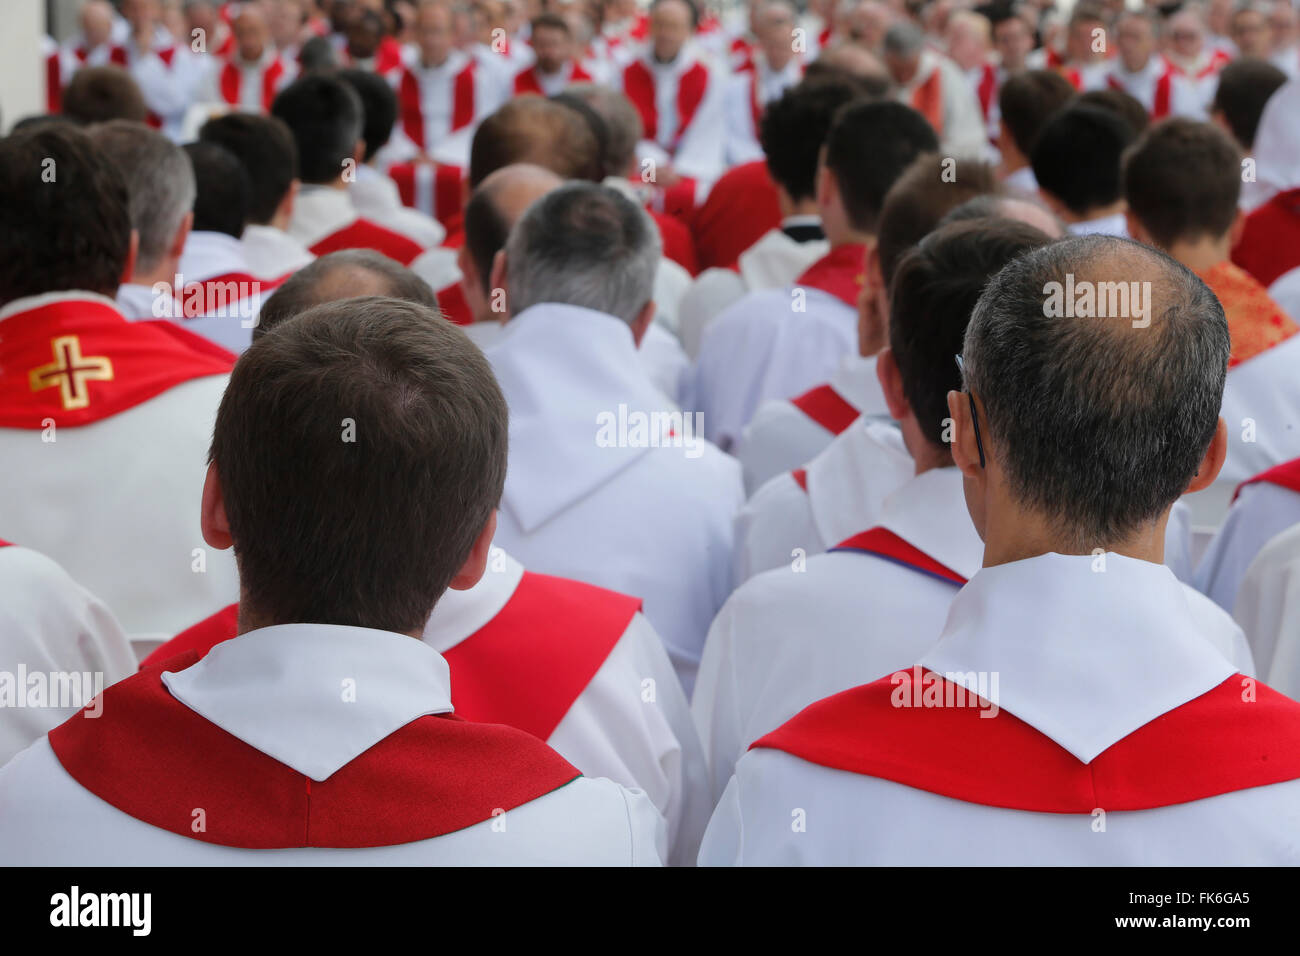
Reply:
x=1084, y=656
x=210, y=254
x=320, y=211
x=856, y=381
x=849, y=481
x=29, y=303
x=929, y=513
x=1112, y=225
x=315, y=696
x=456, y=61
x=563, y=369
x=458, y=614
x=136, y=302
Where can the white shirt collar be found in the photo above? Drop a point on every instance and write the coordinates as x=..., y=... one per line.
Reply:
x=320, y=211
x=857, y=382
x=315, y=696
x=1084, y=656
x=1112, y=225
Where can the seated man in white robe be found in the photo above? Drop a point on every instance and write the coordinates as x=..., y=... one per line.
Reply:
x=609, y=483
x=772, y=68
x=160, y=190
x=326, y=732
x=1073, y=681
x=778, y=343
x=104, y=422
x=877, y=600
x=265, y=147
x=931, y=83
x=1076, y=162
x=794, y=129
x=254, y=71
x=59, y=647
x=325, y=116
x=1268, y=610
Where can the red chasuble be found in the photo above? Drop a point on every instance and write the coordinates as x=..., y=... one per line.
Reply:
x=1214, y=744
x=524, y=668
x=364, y=234
x=740, y=209
x=232, y=79
x=411, y=109
x=827, y=407
x=1270, y=240
x=841, y=273
x=153, y=758
x=885, y=544
x=77, y=361
x=1285, y=475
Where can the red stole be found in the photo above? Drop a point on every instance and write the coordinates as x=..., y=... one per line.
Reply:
x=839, y=273
x=364, y=234
x=439, y=195
x=1160, y=99
x=524, y=668
x=462, y=105
x=639, y=85
x=927, y=99
x=116, y=55
x=883, y=543
x=987, y=88
x=1214, y=744
x=453, y=305
x=741, y=207
x=210, y=296
x=232, y=79
x=526, y=80
x=53, y=83
x=827, y=407
x=77, y=361
x=153, y=758
x=1270, y=242
x=1285, y=475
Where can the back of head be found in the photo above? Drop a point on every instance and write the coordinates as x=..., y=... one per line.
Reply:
x=324, y=115
x=265, y=148
x=1077, y=154
x=159, y=181
x=867, y=149
x=794, y=128
x=583, y=245
x=494, y=208
x=97, y=94
x=1124, y=105
x=223, y=191
x=623, y=128
x=1182, y=180
x=595, y=170
x=1097, y=417
x=921, y=197
x=378, y=108
x=64, y=215
x=530, y=129
x=342, y=275
x=1027, y=99
x=317, y=54
x=848, y=61
x=934, y=290
x=335, y=530
x=1245, y=86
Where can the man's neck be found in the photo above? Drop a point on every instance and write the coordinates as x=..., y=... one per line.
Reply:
x=1202, y=254
x=926, y=456
x=1013, y=160
x=1095, y=213
x=1013, y=534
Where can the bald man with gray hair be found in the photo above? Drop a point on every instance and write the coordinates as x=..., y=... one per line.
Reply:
x=592, y=438
x=161, y=190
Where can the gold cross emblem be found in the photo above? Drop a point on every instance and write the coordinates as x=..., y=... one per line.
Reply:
x=70, y=370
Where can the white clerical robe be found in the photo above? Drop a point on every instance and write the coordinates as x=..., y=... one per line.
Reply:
x=682, y=112
x=232, y=293
x=325, y=220
x=274, y=252
x=784, y=435
x=1102, y=682
x=747, y=94
x=59, y=647
x=814, y=627
x=1268, y=609
x=773, y=261
x=240, y=84
x=1152, y=86
x=1285, y=291
x=774, y=344
x=114, y=500
x=168, y=75
x=377, y=199
x=608, y=482
x=1262, y=510
x=836, y=494
x=262, y=715
x=939, y=91
x=1261, y=406
x=1194, y=84
x=440, y=107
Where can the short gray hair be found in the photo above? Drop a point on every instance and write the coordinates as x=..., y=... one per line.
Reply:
x=585, y=245
x=1098, y=425
x=159, y=183
x=904, y=38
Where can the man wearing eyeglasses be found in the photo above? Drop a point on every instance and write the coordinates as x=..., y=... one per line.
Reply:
x=1076, y=709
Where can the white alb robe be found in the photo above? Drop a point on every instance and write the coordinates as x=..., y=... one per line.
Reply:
x=274, y=252
x=1261, y=511
x=588, y=497
x=221, y=263
x=1268, y=610
x=376, y=198
x=276, y=689
x=1261, y=406
x=1085, y=659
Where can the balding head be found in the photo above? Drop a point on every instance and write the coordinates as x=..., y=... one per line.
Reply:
x=96, y=23
x=1099, y=364
x=993, y=206
x=491, y=213
x=852, y=60
x=342, y=275
x=251, y=32
x=530, y=129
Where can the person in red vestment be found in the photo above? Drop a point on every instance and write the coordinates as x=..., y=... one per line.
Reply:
x=1182, y=181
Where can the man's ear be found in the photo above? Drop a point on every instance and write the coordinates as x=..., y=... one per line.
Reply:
x=641, y=324
x=183, y=233
x=471, y=572
x=965, y=450
x=1238, y=226
x=826, y=186
x=1134, y=227
x=891, y=383
x=212, y=515
x=132, y=254
x=1212, y=460
x=285, y=208
x=498, y=280
x=358, y=151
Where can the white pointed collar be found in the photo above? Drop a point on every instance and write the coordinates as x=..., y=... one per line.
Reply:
x=315, y=696
x=209, y=254
x=320, y=211
x=458, y=614
x=929, y=513
x=850, y=480
x=1083, y=655
x=856, y=381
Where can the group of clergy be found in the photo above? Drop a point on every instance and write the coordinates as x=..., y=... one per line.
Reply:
x=604, y=433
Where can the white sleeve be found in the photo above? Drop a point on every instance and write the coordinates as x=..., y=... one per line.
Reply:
x=709, y=293
x=1268, y=610
x=1261, y=511
x=724, y=840
x=700, y=152
x=714, y=703
x=645, y=829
